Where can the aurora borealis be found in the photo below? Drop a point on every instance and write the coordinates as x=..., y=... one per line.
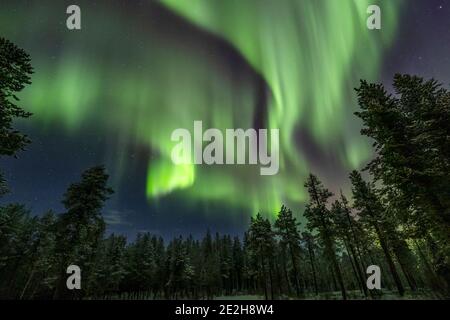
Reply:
x=114, y=91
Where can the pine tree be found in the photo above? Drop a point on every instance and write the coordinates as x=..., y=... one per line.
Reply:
x=160, y=270
x=238, y=264
x=373, y=214
x=262, y=243
x=226, y=263
x=110, y=269
x=16, y=239
x=286, y=227
x=40, y=280
x=320, y=218
x=81, y=227
x=343, y=225
x=412, y=138
x=15, y=74
x=308, y=238
x=180, y=268
x=210, y=273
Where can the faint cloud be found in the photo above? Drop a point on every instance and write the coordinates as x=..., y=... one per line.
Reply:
x=117, y=217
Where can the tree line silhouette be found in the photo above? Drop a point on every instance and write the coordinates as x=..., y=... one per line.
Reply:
x=397, y=218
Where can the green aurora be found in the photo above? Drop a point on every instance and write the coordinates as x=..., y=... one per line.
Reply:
x=136, y=83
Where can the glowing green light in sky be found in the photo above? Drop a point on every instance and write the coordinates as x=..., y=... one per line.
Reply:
x=135, y=85
x=164, y=178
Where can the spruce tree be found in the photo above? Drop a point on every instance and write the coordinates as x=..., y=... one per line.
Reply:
x=412, y=142
x=262, y=244
x=373, y=214
x=286, y=227
x=15, y=74
x=320, y=219
x=81, y=227
x=343, y=225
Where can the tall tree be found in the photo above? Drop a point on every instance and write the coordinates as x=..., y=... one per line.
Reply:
x=320, y=218
x=373, y=214
x=286, y=227
x=412, y=141
x=17, y=232
x=344, y=228
x=81, y=227
x=179, y=267
x=238, y=263
x=110, y=269
x=308, y=238
x=40, y=269
x=15, y=74
x=262, y=243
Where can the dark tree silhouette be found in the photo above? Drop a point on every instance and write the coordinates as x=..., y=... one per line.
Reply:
x=15, y=72
x=81, y=227
x=320, y=218
x=412, y=141
x=287, y=229
x=372, y=212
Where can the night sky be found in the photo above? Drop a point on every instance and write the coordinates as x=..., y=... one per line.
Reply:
x=113, y=92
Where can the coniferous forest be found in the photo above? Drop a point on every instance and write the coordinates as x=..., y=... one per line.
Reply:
x=397, y=217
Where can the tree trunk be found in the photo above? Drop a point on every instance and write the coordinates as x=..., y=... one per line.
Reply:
x=389, y=260
x=294, y=265
x=27, y=283
x=311, y=259
x=362, y=283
